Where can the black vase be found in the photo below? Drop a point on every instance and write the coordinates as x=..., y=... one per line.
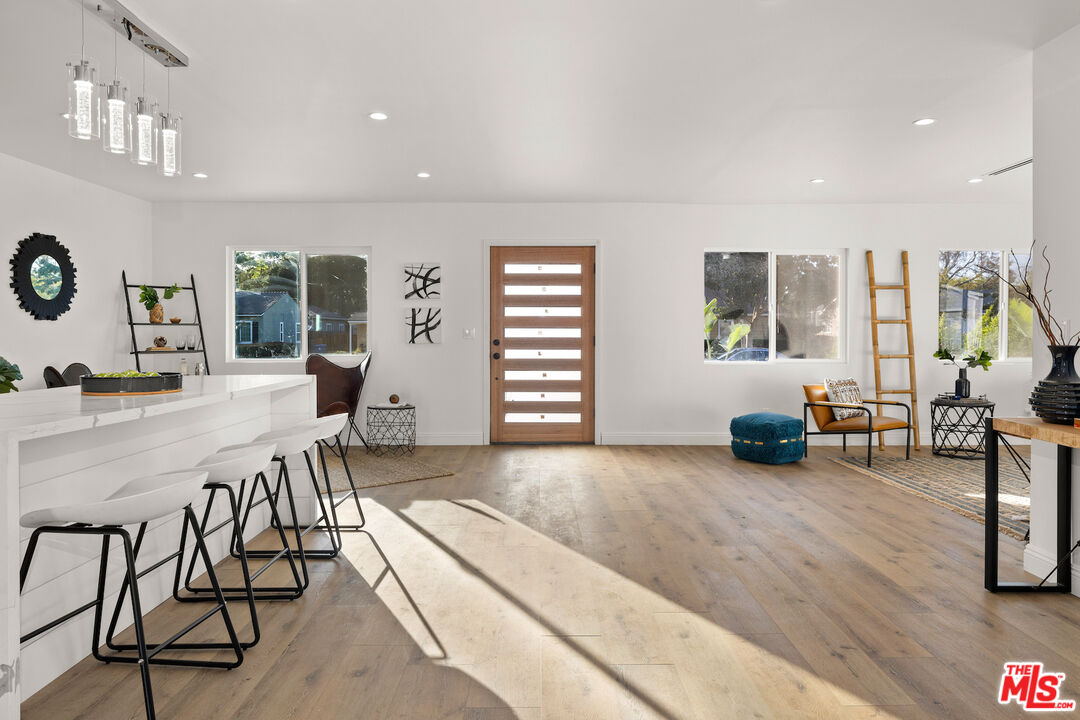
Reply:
x=1063, y=371
x=1056, y=398
x=963, y=385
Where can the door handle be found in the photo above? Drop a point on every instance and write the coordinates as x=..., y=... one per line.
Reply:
x=495, y=355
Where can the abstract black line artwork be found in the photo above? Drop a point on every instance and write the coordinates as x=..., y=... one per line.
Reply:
x=424, y=325
x=423, y=281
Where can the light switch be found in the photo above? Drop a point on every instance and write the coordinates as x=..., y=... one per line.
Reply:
x=469, y=333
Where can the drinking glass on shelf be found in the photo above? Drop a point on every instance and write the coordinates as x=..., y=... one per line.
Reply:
x=192, y=342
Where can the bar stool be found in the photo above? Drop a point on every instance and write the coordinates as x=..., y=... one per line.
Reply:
x=227, y=467
x=329, y=427
x=324, y=428
x=223, y=470
x=288, y=441
x=137, y=502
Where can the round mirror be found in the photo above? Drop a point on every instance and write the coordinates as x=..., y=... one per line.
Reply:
x=45, y=277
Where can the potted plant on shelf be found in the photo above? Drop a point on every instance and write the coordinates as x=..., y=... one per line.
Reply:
x=9, y=373
x=148, y=296
x=979, y=359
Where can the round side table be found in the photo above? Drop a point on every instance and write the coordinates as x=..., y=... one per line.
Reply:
x=391, y=429
x=958, y=426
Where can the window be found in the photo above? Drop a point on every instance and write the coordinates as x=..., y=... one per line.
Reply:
x=337, y=303
x=773, y=306
x=275, y=289
x=971, y=290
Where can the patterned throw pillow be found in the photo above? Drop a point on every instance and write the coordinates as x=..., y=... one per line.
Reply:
x=844, y=390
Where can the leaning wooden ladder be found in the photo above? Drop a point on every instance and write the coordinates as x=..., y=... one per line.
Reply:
x=909, y=355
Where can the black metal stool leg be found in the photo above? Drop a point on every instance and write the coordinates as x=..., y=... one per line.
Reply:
x=298, y=533
x=248, y=591
x=238, y=538
x=353, y=492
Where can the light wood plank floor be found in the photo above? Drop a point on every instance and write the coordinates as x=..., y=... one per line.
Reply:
x=624, y=582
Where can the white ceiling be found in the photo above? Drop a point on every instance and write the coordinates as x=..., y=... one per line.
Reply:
x=728, y=101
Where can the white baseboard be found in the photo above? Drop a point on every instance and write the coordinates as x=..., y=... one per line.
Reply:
x=664, y=439
x=449, y=438
x=1039, y=562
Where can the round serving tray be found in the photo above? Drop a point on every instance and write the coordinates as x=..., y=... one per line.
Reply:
x=163, y=384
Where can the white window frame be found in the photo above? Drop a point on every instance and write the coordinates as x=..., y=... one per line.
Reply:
x=230, y=302
x=1003, y=308
x=842, y=341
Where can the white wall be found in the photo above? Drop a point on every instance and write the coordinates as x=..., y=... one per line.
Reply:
x=652, y=385
x=1057, y=225
x=105, y=231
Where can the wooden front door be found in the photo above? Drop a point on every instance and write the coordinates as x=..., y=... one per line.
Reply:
x=542, y=344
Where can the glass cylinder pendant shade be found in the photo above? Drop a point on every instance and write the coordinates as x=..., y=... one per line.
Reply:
x=116, y=131
x=170, y=138
x=84, y=102
x=144, y=132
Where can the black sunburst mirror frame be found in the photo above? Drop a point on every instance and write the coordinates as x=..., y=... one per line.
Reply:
x=29, y=250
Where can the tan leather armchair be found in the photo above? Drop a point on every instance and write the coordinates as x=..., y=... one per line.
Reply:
x=817, y=404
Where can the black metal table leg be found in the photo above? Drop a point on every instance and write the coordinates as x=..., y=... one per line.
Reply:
x=1063, y=582
x=990, y=554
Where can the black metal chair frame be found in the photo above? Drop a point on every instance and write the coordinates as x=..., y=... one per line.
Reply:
x=869, y=432
x=146, y=652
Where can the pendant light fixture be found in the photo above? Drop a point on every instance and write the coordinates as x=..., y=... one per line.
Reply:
x=84, y=98
x=116, y=137
x=144, y=128
x=170, y=135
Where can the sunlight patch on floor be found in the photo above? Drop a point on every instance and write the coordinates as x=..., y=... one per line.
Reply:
x=540, y=625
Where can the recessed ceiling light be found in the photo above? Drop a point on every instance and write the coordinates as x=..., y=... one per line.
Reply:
x=66, y=116
x=817, y=181
x=201, y=176
x=423, y=174
x=924, y=121
x=975, y=180
x=378, y=116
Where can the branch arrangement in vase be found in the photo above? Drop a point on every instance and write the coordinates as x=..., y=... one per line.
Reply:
x=1044, y=309
x=979, y=359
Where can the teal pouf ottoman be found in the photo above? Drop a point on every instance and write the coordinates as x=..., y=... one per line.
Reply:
x=767, y=438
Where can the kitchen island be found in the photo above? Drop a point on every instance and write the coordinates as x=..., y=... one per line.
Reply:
x=59, y=447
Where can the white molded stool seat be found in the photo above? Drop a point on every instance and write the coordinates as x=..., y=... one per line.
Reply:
x=235, y=463
x=291, y=440
x=328, y=426
x=137, y=501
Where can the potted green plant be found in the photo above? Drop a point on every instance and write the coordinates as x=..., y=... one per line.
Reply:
x=976, y=359
x=9, y=373
x=148, y=296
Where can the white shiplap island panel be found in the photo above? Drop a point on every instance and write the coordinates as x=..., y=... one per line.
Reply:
x=58, y=447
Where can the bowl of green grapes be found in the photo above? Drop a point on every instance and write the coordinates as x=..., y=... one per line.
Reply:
x=131, y=382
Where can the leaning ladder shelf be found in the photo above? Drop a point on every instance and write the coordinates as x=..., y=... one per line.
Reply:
x=128, y=287
x=909, y=356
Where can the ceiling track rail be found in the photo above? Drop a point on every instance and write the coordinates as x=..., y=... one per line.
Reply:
x=1015, y=166
x=129, y=26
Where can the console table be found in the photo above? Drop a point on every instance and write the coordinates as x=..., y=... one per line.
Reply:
x=1066, y=438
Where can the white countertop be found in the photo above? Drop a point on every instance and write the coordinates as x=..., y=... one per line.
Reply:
x=40, y=413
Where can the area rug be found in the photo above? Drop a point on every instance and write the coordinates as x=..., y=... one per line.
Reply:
x=956, y=484
x=373, y=470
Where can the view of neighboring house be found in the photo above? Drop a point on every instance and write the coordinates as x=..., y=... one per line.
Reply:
x=263, y=317
x=330, y=331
